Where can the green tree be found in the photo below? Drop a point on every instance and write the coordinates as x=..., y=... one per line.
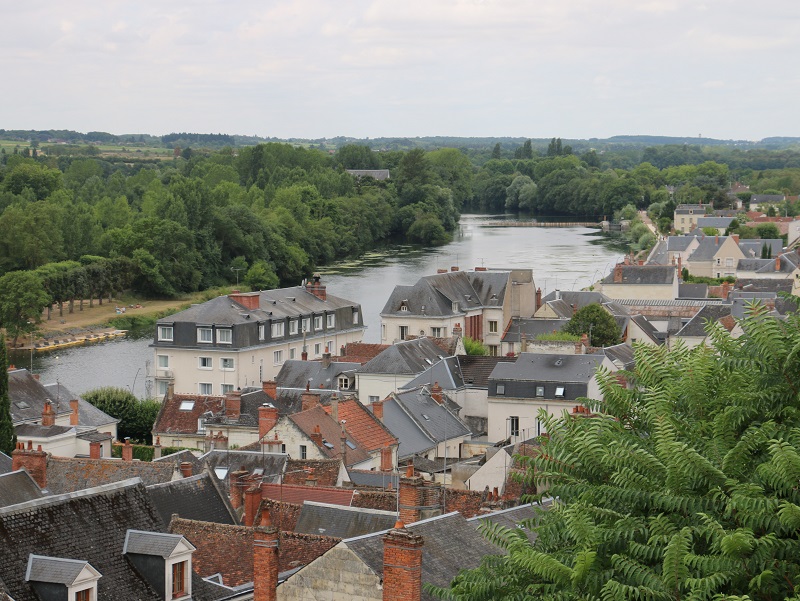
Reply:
x=136, y=416
x=22, y=299
x=474, y=347
x=261, y=276
x=496, y=151
x=8, y=439
x=598, y=323
x=768, y=231
x=682, y=486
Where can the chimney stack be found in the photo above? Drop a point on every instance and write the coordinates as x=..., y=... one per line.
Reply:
x=582, y=344
x=267, y=419
x=618, y=274
x=237, y=485
x=186, y=469
x=457, y=331
x=48, y=414
x=270, y=388
x=95, y=449
x=304, y=355
x=265, y=561
x=778, y=263
x=311, y=479
x=34, y=462
x=387, y=463
x=252, y=499
x=251, y=300
x=436, y=393
x=410, y=499
x=377, y=410
x=402, y=564
x=326, y=360
x=73, y=417
x=316, y=436
x=538, y=299
x=735, y=238
x=309, y=400
x=233, y=404
x=127, y=450
x=316, y=288
x=157, y=448
x=343, y=444
x=335, y=407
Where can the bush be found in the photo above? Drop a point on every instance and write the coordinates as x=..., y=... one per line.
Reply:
x=474, y=347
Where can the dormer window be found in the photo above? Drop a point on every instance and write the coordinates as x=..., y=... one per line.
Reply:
x=163, y=560
x=404, y=305
x=344, y=382
x=559, y=392
x=71, y=579
x=455, y=307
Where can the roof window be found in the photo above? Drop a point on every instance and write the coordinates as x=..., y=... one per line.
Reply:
x=186, y=405
x=559, y=392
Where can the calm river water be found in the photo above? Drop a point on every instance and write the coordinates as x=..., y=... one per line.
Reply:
x=563, y=258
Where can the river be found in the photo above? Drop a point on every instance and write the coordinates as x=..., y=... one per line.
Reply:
x=563, y=258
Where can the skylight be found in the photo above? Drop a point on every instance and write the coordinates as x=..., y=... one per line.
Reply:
x=22, y=405
x=559, y=391
x=425, y=417
x=351, y=445
x=187, y=405
x=221, y=472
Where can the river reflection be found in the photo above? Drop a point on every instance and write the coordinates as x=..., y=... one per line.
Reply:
x=561, y=258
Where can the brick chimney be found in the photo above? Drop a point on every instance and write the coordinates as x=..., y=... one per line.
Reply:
x=265, y=561
x=311, y=478
x=95, y=449
x=186, y=469
x=538, y=299
x=410, y=496
x=778, y=263
x=251, y=300
x=387, y=464
x=237, y=485
x=34, y=462
x=304, y=355
x=252, y=499
x=270, y=388
x=157, y=448
x=436, y=393
x=377, y=409
x=454, y=268
x=441, y=270
x=233, y=404
x=335, y=407
x=680, y=266
x=726, y=288
x=343, y=445
x=457, y=331
x=402, y=564
x=326, y=360
x=73, y=417
x=316, y=288
x=618, y=274
x=48, y=414
x=735, y=238
x=267, y=418
x=127, y=450
x=316, y=436
x=309, y=400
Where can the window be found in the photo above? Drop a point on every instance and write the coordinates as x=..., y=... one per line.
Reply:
x=303, y=451
x=540, y=391
x=318, y=322
x=226, y=388
x=330, y=320
x=205, y=388
x=439, y=332
x=205, y=335
x=277, y=330
x=186, y=405
x=404, y=308
x=455, y=307
x=163, y=361
x=262, y=331
x=719, y=260
x=165, y=333
x=293, y=327
x=501, y=389
x=179, y=574
x=176, y=442
x=225, y=336
x=205, y=362
x=317, y=349
x=559, y=392
x=283, y=449
x=374, y=398
x=226, y=363
x=355, y=317
x=292, y=353
x=84, y=595
x=403, y=332
x=161, y=387
x=383, y=331
x=329, y=346
x=344, y=382
x=514, y=420
x=493, y=350
x=729, y=262
x=277, y=357
x=492, y=327
x=306, y=324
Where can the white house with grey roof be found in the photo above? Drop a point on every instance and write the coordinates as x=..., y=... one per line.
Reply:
x=479, y=303
x=243, y=339
x=640, y=281
x=519, y=390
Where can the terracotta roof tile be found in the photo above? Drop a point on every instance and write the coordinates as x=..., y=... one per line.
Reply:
x=363, y=426
x=292, y=493
x=331, y=433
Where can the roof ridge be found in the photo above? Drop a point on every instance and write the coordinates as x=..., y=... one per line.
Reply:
x=78, y=494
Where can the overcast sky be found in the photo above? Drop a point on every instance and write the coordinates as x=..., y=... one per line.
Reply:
x=323, y=68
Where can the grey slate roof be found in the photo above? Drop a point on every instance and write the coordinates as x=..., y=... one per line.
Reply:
x=692, y=290
x=450, y=545
x=267, y=465
x=686, y=209
x=753, y=247
x=5, y=463
x=520, y=517
x=717, y=222
x=437, y=422
x=646, y=327
x=562, y=301
x=708, y=247
x=151, y=543
x=297, y=374
x=532, y=328
x=182, y=456
x=679, y=243
x=54, y=569
x=412, y=438
x=89, y=416
x=476, y=369
x=340, y=521
x=447, y=372
x=89, y=525
x=621, y=355
x=28, y=397
x=194, y=498
x=697, y=325
x=763, y=285
x=373, y=478
x=549, y=368
x=378, y=174
x=37, y=431
x=18, y=487
x=646, y=275
x=767, y=198
x=404, y=357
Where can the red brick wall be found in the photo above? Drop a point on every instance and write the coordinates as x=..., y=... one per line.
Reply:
x=373, y=499
x=466, y=502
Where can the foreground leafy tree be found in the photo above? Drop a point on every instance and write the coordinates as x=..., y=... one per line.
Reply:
x=598, y=323
x=136, y=416
x=683, y=487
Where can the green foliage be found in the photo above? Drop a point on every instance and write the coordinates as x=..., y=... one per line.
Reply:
x=22, y=299
x=474, y=347
x=558, y=336
x=683, y=487
x=598, y=323
x=136, y=416
x=140, y=452
x=8, y=438
x=768, y=231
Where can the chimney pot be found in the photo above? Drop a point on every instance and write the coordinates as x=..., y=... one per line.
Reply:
x=127, y=450
x=186, y=469
x=74, y=405
x=270, y=388
x=48, y=414
x=618, y=274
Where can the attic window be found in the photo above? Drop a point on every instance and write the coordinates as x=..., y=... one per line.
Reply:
x=350, y=445
x=501, y=389
x=425, y=417
x=404, y=306
x=187, y=405
x=540, y=391
x=22, y=405
x=221, y=472
x=326, y=444
x=559, y=392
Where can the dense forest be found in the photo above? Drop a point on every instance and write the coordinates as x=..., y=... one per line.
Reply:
x=86, y=224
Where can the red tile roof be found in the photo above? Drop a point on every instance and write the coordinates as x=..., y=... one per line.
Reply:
x=173, y=420
x=363, y=426
x=293, y=493
x=331, y=432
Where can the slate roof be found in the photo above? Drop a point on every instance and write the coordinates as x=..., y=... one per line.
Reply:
x=18, y=487
x=752, y=248
x=28, y=397
x=549, y=368
x=679, y=243
x=404, y=357
x=697, y=325
x=89, y=416
x=532, y=328
x=368, y=430
x=451, y=544
x=268, y=466
x=299, y=494
x=373, y=478
x=476, y=369
x=69, y=474
x=54, y=570
x=182, y=456
x=307, y=420
x=717, y=222
x=340, y=521
x=686, y=209
x=646, y=275
x=562, y=301
x=693, y=290
x=5, y=463
x=89, y=525
x=767, y=198
x=298, y=374
x=515, y=517
x=646, y=327
x=621, y=355
x=37, y=431
x=194, y=498
x=447, y=372
x=413, y=439
x=708, y=247
x=142, y=542
x=763, y=285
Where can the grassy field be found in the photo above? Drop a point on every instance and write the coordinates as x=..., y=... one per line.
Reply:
x=123, y=150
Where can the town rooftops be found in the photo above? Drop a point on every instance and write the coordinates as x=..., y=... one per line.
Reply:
x=28, y=398
x=476, y=369
x=298, y=374
x=532, y=328
x=753, y=248
x=268, y=466
x=195, y=498
x=715, y=222
x=55, y=570
x=690, y=209
x=362, y=425
x=18, y=487
x=447, y=372
x=697, y=325
x=89, y=416
x=549, y=368
x=5, y=463
x=69, y=474
x=299, y=493
x=378, y=174
x=707, y=248
x=331, y=434
x=405, y=357
x=692, y=290
x=341, y=521
x=645, y=275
